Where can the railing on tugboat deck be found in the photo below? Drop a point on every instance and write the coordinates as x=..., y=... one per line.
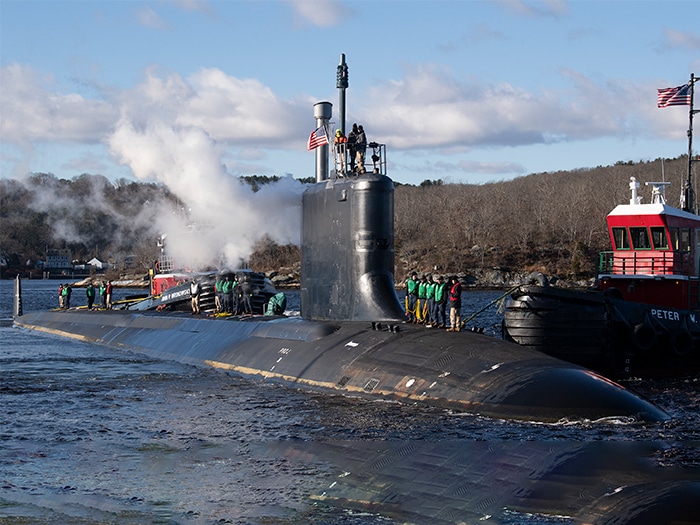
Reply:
x=165, y=264
x=653, y=262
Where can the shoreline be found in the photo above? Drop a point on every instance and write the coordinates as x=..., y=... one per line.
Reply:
x=469, y=282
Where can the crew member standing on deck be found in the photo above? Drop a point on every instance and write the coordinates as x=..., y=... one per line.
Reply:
x=361, y=148
x=246, y=291
x=226, y=290
x=411, y=297
x=194, y=296
x=430, y=296
x=103, y=294
x=455, y=305
x=109, y=295
x=236, y=295
x=60, y=296
x=421, y=303
x=440, y=302
x=217, y=289
x=340, y=143
x=90, y=294
x=66, y=296
x=352, y=149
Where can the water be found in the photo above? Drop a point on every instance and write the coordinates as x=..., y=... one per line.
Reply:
x=93, y=435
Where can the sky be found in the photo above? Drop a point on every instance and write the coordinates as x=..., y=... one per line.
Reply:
x=463, y=91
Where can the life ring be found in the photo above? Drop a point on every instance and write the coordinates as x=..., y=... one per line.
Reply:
x=681, y=342
x=645, y=337
x=537, y=278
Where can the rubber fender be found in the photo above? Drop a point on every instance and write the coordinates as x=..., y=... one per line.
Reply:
x=645, y=337
x=537, y=278
x=681, y=342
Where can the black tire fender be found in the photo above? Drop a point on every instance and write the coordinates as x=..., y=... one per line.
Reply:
x=682, y=342
x=537, y=278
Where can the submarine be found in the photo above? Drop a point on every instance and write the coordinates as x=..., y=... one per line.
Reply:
x=351, y=337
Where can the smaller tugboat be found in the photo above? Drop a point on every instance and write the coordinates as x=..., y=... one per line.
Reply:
x=643, y=315
x=170, y=288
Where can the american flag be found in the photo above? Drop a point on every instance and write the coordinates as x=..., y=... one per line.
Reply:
x=317, y=138
x=675, y=96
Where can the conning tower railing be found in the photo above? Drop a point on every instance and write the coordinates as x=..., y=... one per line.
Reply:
x=374, y=160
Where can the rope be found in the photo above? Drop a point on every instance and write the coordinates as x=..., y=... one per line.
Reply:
x=500, y=298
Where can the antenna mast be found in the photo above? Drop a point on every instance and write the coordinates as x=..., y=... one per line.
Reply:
x=689, y=194
x=342, y=84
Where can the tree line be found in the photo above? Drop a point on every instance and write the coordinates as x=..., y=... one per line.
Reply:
x=552, y=222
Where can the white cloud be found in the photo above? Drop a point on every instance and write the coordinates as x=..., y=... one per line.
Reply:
x=537, y=7
x=675, y=38
x=242, y=122
x=195, y=5
x=149, y=18
x=322, y=13
x=430, y=109
x=32, y=111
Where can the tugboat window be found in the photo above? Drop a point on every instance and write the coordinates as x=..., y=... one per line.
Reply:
x=685, y=239
x=658, y=237
x=675, y=239
x=640, y=238
x=621, y=240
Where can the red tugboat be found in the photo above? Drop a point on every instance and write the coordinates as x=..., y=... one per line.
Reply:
x=643, y=315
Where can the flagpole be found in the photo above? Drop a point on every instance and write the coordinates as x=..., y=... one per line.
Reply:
x=690, y=130
x=688, y=201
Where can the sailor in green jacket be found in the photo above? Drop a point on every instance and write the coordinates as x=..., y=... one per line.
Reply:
x=227, y=292
x=90, y=293
x=66, y=296
x=441, y=302
x=411, y=297
x=430, y=296
x=219, y=294
x=421, y=303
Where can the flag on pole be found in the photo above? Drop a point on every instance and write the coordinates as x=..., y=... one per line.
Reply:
x=675, y=96
x=317, y=138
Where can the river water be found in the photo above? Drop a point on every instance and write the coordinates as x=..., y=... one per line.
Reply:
x=90, y=434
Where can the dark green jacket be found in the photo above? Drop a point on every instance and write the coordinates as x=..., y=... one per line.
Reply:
x=412, y=287
x=441, y=292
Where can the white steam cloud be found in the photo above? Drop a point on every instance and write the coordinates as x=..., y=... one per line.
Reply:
x=223, y=217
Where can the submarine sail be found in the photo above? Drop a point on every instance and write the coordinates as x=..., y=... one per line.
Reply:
x=347, y=263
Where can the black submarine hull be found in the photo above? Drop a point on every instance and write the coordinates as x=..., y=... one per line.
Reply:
x=458, y=371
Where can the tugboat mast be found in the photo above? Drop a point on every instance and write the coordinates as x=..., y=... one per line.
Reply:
x=688, y=192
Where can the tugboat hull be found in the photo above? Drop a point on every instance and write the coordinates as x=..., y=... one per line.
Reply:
x=596, y=330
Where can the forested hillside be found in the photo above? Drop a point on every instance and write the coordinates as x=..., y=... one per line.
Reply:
x=552, y=222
